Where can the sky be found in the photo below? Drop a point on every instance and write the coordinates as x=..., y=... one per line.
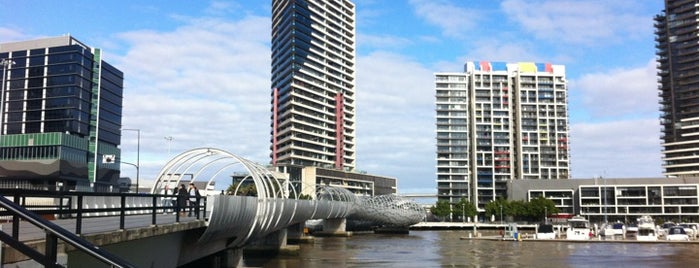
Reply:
x=199, y=72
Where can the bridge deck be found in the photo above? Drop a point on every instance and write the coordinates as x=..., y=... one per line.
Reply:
x=95, y=225
x=99, y=231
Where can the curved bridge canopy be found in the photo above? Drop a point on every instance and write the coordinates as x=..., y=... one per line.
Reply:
x=241, y=219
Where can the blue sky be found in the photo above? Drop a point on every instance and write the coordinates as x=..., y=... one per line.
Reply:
x=199, y=71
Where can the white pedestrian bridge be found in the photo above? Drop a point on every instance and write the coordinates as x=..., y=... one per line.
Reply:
x=228, y=222
x=276, y=205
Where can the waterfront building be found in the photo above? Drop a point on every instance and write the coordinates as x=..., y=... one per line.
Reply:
x=677, y=29
x=498, y=122
x=313, y=83
x=60, y=116
x=597, y=199
x=313, y=96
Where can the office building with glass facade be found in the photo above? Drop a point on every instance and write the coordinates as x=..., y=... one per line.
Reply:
x=60, y=116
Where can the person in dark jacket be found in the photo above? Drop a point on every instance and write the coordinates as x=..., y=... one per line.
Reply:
x=182, y=196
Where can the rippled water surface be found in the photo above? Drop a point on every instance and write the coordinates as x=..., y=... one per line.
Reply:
x=446, y=249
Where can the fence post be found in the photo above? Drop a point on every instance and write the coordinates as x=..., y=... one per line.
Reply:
x=51, y=249
x=154, y=209
x=122, y=212
x=15, y=219
x=79, y=215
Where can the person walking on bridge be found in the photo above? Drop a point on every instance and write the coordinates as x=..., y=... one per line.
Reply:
x=166, y=199
x=193, y=201
x=181, y=199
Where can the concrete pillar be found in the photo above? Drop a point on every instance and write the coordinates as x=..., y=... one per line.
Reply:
x=297, y=234
x=228, y=258
x=272, y=244
x=334, y=227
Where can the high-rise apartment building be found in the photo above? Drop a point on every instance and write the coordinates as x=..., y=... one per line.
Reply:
x=498, y=122
x=313, y=85
x=677, y=37
x=60, y=116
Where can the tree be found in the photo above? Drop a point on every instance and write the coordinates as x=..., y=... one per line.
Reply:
x=498, y=207
x=465, y=207
x=539, y=208
x=441, y=209
x=247, y=189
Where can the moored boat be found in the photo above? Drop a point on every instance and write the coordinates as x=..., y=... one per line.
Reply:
x=578, y=229
x=646, y=229
x=545, y=231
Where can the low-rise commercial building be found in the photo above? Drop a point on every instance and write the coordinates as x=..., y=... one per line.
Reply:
x=599, y=200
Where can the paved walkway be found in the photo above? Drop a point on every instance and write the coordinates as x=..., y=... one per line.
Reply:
x=94, y=225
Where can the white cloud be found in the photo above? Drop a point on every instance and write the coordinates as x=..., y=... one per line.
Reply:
x=12, y=35
x=620, y=92
x=454, y=21
x=395, y=119
x=616, y=149
x=206, y=84
x=579, y=22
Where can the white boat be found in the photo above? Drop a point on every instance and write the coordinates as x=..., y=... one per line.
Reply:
x=578, y=229
x=606, y=230
x=632, y=229
x=646, y=229
x=618, y=228
x=545, y=231
x=676, y=233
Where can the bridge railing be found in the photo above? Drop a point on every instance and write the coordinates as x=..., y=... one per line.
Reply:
x=53, y=233
x=52, y=205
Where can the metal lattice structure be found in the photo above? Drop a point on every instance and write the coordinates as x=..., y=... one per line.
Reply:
x=241, y=219
x=389, y=210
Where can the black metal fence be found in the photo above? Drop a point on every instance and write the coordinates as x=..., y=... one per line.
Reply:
x=39, y=207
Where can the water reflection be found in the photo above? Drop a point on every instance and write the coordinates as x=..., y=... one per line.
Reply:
x=446, y=249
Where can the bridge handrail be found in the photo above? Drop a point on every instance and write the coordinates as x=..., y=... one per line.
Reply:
x=53, y=232
x=69, y=204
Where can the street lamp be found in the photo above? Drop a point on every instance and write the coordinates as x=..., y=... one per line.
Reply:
x=5, y=63
x=138, y=154
x=501, y=214
x=169, y=141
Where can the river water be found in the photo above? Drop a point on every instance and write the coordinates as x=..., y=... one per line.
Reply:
x=446, y=249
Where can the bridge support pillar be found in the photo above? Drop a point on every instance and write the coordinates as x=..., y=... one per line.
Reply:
x=334, y=227
x=273, y=243
x=297, y=233
x=228, y=258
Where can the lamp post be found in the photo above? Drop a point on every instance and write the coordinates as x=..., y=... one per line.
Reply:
x=5, y=63
x=169, y=141
x=500, y=213
x=138, y=154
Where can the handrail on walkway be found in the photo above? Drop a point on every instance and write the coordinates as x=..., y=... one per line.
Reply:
x=30, y=205
x=53, y=232
x=81, y=205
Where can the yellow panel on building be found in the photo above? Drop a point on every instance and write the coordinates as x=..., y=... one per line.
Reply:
x=527, y=67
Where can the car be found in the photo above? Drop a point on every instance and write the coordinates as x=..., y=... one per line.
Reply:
x=676, y=233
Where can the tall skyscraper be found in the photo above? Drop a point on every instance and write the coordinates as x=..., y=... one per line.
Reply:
x=677, y=38
x=498, y=122
x=313, y=85
x=60, y=116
